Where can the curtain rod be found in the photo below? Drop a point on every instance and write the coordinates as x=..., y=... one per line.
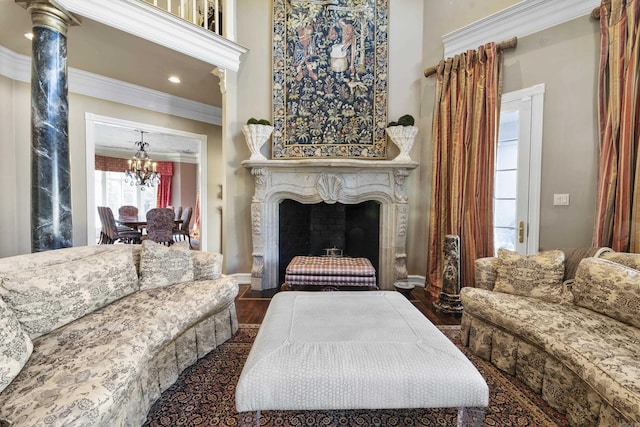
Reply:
x=506, y=44
x=595, y=13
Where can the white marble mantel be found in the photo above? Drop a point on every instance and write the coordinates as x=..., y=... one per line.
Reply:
x=347, y=181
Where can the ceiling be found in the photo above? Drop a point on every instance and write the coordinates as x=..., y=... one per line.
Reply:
x=112, y=53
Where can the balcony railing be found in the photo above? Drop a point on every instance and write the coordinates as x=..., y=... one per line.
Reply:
x=194, y=12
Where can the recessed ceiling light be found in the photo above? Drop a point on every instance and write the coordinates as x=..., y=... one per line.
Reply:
x=174, y=79
x=29, y=36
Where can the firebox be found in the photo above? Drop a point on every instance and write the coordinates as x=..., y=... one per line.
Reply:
x=311, y=229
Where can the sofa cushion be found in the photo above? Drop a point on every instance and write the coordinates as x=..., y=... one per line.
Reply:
x=48, y=297
x=15, y=346
x=539, y=275
x=206, y=265
x=162, y=265
x=609, y=288
x=82, y=372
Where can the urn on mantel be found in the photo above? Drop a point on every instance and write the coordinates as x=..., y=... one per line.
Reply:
x=403, y=137
x=256, y=135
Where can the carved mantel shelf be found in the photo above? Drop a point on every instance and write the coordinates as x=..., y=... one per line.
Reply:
x=346, y=181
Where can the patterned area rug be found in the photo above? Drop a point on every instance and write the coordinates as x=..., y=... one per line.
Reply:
x=204, y=395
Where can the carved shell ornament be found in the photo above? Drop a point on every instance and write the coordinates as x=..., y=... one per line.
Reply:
x=329, y=187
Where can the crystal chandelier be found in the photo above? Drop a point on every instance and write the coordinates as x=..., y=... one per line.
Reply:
x=142, y=171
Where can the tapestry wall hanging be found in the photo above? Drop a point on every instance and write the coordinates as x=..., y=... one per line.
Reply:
x=330, y=78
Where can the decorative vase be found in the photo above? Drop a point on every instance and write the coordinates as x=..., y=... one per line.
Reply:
x=256, y=136
x=403, y=137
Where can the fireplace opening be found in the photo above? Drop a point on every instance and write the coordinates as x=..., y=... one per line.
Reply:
x=309, y=229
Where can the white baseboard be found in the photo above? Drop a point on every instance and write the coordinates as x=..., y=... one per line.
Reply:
x=242, y=278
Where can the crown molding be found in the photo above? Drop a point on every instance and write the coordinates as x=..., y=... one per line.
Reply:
x=160, y=157
x=158, y=26
x=519, y=20
x=18, y=67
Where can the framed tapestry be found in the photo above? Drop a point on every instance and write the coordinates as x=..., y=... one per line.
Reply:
x=330, y=78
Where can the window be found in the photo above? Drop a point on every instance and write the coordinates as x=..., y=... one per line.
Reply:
x=506, y=178
x=112, y=191
x=516, y=204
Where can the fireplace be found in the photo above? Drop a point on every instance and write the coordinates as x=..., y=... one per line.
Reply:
x=309, y=229
x=343, y=184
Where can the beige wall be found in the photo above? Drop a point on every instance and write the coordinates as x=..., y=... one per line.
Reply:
x=254, y=100
x=184, y=184
x=15, y=179
x=415, y=30
x=564, y=58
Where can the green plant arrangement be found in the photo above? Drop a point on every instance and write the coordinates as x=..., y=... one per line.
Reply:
x=254, y=121
x=406, y=120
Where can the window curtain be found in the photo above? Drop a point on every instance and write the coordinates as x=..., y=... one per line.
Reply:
x=163, y=198
x=110, y=164
x=196, y=220
x=464, y=137
x=617, y=222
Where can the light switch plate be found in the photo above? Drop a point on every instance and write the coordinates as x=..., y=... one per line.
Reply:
x=561, y=200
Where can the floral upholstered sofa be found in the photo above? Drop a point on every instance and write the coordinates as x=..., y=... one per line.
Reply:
x=575, y=340
x=90, y=336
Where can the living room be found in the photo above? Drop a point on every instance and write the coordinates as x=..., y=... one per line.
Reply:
x=563, y=57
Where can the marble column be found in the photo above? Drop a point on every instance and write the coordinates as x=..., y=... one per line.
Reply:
x=51, y=222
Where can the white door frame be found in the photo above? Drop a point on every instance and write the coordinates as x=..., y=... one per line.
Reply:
x=90, y=123
x=533, y=98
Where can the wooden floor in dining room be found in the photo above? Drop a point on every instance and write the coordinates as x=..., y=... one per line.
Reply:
x=251, y=306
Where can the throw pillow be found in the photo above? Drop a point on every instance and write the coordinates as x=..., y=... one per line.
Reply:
x=206, y=265
x=15, y=346
x=164, y=265
x=608, y=288
x=539, y=275
x=631, y=260
x=46, y=298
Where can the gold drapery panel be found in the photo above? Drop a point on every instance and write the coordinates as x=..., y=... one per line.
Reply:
x=464, y=135
x=617, y=222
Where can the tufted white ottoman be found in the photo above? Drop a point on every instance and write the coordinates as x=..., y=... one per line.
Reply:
x=356, y=350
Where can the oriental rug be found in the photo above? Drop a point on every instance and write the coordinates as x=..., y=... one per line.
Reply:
x=204, y=395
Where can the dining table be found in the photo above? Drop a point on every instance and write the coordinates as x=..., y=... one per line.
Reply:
x=139, y=223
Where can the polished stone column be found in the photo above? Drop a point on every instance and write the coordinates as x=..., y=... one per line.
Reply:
x=51, y=223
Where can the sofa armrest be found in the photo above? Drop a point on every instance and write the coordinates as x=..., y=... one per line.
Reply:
x=485, y=273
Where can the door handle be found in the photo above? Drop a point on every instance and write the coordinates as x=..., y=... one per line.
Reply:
x=521, y=232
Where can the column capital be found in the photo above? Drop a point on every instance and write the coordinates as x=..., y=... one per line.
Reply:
x=49, y=14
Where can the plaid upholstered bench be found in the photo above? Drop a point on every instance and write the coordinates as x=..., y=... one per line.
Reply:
x=343, y=273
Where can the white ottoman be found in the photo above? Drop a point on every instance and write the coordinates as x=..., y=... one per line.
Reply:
x=356, y=350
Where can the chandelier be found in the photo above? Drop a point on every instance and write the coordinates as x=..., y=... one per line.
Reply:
x=142, y=171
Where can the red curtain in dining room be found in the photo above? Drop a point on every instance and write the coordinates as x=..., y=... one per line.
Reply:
x=617, y=221
x=163, y=198
x=464, y=134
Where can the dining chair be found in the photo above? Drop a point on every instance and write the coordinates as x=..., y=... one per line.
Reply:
x=184, y=228
x=112, y=232
x=160, y=225
x=128, y=212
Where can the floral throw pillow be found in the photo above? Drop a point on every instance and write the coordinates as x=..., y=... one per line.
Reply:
x=15, y=346
x=206, y=265
x=538, y=276
x=609, y=288
x=162, y=265
x=46, y=298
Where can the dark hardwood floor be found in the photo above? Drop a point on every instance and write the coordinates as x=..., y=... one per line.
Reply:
x=252, y=305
